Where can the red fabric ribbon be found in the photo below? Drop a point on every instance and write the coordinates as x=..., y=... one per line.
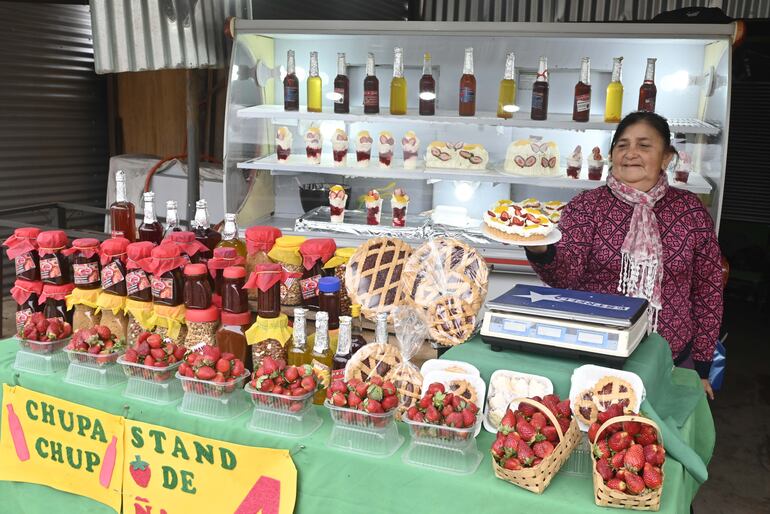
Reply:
x=88, y=247
x=22, y=290
x=186, y=242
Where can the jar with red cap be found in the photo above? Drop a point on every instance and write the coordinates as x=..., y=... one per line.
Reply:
x=315, y=253
x=233, y=293
x=190, y=248
x=267, y=279
x=113, y=261
x=202, y=325
x=22, y=249
x=84, y=257
x=166, y=264
x=197, y=290
x=224, y=257
x=139, y=300
x=259, y=241
x=54, y=300
x=26, y=294
x=54, y=265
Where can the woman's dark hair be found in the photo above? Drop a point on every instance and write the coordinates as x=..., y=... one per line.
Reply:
x=656, y=121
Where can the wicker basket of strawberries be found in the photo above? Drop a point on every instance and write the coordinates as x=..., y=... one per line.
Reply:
x=534, y=441
x=628, y=460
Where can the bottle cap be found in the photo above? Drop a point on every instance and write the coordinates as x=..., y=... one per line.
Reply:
x=329, y=285
x=234, y=272
x=195, y=269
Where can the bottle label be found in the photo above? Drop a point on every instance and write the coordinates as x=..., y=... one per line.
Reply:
x=338, y=374
x=467, y=95
x=85, y=274
x=49, y=268
x=648, y=104
x=323, y=373
x=339, y=95
x=309, y=287
x=583, y=102
x=136, y=281
x=163, y=288
x=538, y=101
x=24, y=263
x=371, y=98
x=21, y=318
x=291, y=94
x=111, y=276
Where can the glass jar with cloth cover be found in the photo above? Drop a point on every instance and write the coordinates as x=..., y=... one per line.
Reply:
x=285, y=251
x=337, y=266
x=270, y=333
x=22, y=249
x=54, y=265
x=139, y=300
x=54, y=301
x=190, y=248
x=84, y=304
x=112, y=300
x=26, y=294
x=85, y=262
x=315, y=253
x=165, y=265
x=266, y=279
x=236, y=319
x=224, y=257
x=259, y=241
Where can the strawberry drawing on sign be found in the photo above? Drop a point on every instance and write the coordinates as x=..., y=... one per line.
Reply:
x=140, y=471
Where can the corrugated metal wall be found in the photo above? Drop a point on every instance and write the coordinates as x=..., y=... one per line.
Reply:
x=579, y=10
x=53, y=131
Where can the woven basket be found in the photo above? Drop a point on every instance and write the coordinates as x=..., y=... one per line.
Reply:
x=536, y=479
x=606, y=497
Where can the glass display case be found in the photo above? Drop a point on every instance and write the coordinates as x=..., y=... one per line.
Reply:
x=464, y=164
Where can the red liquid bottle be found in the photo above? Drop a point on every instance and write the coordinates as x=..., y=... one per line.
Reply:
x=581, y=106
x=648, y=92
x=290, y=85
x=202, y=228
x=122, y=212
x=150, y=229
x=371, y=88
x=427, y=88
x=358, y=340
x=468, y=86
x=172, y=218
x=341, y=87
x=344, y=349
x=540, y=92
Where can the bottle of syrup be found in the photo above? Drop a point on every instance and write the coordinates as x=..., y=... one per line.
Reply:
x=202, y=228
x=613, y=107
x=427, y=88
x=290, y=85
x=648, y=91
x=172, y=217
x=581, y=106
x=230, y=236
x=398, y=84
x=314, y=85
x=540, y=92
x=468, y=86
x=341, y=87
x=358, y=340
x=123, y=212
x=344, y=349
x=506, y=99
x=371, y=88
x=150, y=229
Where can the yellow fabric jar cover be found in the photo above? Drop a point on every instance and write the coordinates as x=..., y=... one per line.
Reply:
x=270, y=328
x=142, y=312
x=87, y=297
x=341, y=256
x=286, y=250
x=169, y=317
x=111, y=302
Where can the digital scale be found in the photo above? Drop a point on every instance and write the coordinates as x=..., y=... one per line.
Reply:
x=563, y=322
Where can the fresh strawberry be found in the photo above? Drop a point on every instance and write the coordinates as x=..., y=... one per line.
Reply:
x=634, y=459
x=604, y=469
x=426, y=401
x=592, y=431
x=498, y=449
x=469, y=418
x=564, y=424
x=550, y=434
x=339, y=400
x=508, y=422
x=308, y=383
x=361, y=389
x=619, y=441
x=238, y=368
x=354, y=400
x=652, y=476
x=411, y=412
x=338, y=386
x=455, y=420
x=388, y=389
x=66, y=330
x=543, y=449
x=436, y=387
x=527, y=409
x=655, y=454
x=538, y=421
x=526, y=430
x=511, y=442
x=374, y=392
x=223, y=366
x=103, y=332
x=617, y=484
x=154, y=340
x=376, y=380
x=205, y=373
x=158, y=354
x=634, y=483
x=618, y=460
x=632, y=427
x=511, y=463
x=291, y=374
x=647, y=435
x=373, y=406
x=432, y=414
x=389, y=403
x=447, y=410
x=525, y=453
x=564, y=408
x=602, y=449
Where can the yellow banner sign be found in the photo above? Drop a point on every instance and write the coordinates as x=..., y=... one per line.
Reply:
x=49, y=441
x=167, y=471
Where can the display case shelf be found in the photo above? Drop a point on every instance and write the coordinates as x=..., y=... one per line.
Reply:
x=297, y=164
x=519, y=120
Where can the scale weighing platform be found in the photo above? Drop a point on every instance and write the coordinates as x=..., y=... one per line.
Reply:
x=567, y=323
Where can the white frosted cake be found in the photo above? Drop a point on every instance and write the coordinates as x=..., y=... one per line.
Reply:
x=440, y=154
x=532, y=157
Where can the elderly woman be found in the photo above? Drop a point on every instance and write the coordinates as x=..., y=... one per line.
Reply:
x=639, y=236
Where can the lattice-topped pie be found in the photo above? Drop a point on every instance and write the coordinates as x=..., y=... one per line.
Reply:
x=464, y=389
x=408, y=381
x=373, y=359
x=611, y=390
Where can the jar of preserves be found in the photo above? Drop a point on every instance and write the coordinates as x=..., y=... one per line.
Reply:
x=336, y=267
x=190, y=248
x=84, y=304
x=223, y=258
x=202, y=325
x=138, y=284
x=315, y=253
x=54, y=301
x=329, y=300
x=267, y=279
x=286, y=253
x=54, y=265
x=22, y=249
x=269, y=336
x=86, y=268
x=113, y=260
x=259, y=242
x=197, y=290
x=234, y=296
x=231, y=336
x=165, y=264
x=170, y=322
x=26, y=294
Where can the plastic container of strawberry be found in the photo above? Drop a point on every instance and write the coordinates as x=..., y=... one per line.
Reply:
x=441, y=434
x=45, y=347
x=95, y=360
x=279, y=402
x=152, y=373
x=210, y=388
x=359, y=418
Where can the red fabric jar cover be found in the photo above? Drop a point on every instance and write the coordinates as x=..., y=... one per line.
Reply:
x=261, y=238
x=138, y=253
x=224, y=257
x=266, y=276
x=114, y=247
x=240, y=318
x=202, y=315
x=22, y=241
x=88, y=246
x=51, y=241
x=314, y=250
x=55, y=292
x=194, y=269
x=22, y=289
x=186, y=242
x=163, y=258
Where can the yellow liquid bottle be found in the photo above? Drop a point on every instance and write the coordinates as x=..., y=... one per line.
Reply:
x=321, y=357
x=398, y=84
x=613, y=109
x=314, y=85
x=230, y=236
x=298, y=354
x=506, y=99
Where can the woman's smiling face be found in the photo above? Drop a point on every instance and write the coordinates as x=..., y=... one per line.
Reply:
x=639, y=156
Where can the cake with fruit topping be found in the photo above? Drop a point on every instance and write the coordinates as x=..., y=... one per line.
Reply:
x=513, y=222
x=441, y=154
x=532, y=157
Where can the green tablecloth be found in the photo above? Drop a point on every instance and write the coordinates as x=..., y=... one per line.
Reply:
x=341, y=482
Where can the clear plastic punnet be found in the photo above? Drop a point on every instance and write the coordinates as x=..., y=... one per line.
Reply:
x=218, y=401
x=288, y=416
x=94, y=371
x=580, y=462
x=94, y=360
x=42, y=347
x=151, y=384
x=40, y=363
x=374, y=435
x=443, y=448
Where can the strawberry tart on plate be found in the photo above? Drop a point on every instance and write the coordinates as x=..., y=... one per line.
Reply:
x=508, y=222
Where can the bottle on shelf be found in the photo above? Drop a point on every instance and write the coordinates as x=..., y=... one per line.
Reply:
x=150, y=230
x=202, y=228
x=298, y=354
x=613, y=107
x=341, y=86
x=344, y=349
x=172, y=217
x=581, y=106
x=398, y=84
x=230, y=237
x=540, y=92
x=321, y=356
x=314, y=85
x=290, y=85
x=371, y=88
x=358, y=340
x=468, y=86
x=506, y=99
x=648, y=91
x=381, y=328
x=123, y=212
x=427, y=88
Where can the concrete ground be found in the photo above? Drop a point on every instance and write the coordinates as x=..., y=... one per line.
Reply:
x=739, y=473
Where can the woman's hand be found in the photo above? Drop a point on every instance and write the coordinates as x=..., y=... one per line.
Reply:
x=537, y=249
x=707, y=388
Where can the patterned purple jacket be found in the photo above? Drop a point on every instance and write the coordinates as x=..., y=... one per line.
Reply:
x=593, y=227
